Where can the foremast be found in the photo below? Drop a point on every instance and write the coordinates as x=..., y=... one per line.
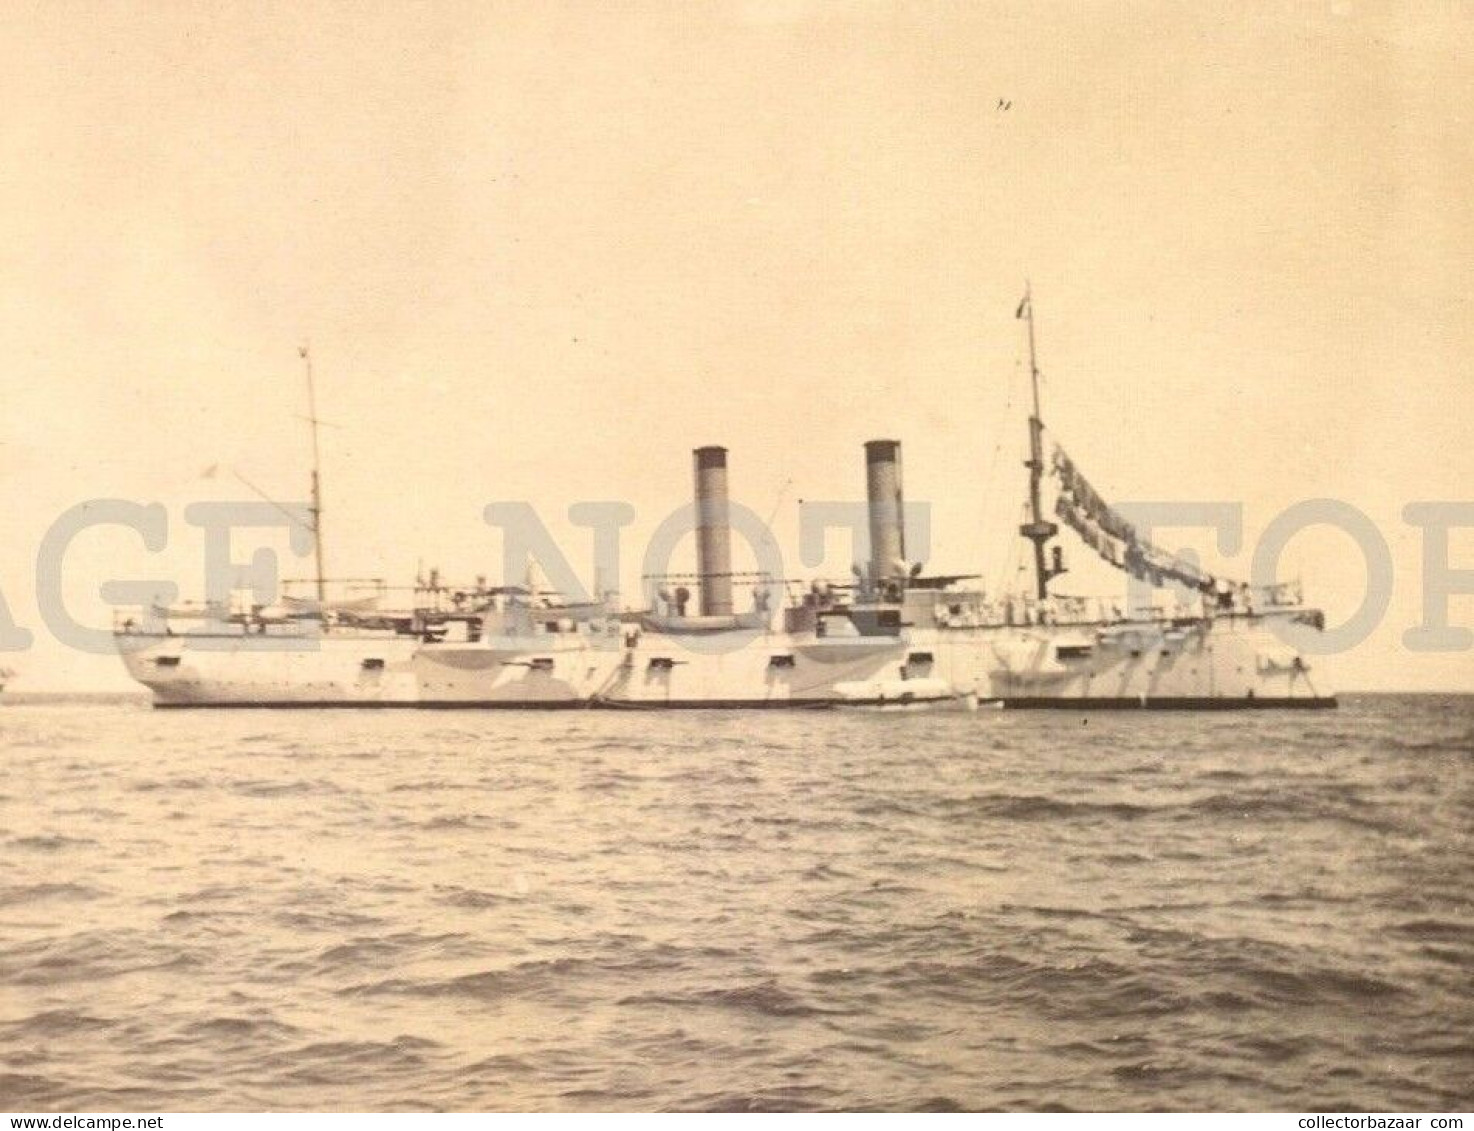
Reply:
x=315, y=508
x=1038, y=529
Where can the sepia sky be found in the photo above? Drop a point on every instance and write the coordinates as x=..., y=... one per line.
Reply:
x=542, y=250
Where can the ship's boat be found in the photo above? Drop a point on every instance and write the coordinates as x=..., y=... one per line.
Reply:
x=298, y=606
x=904, y=695
x=756, y=619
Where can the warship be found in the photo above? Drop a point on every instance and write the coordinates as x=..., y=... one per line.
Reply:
x=889, y=637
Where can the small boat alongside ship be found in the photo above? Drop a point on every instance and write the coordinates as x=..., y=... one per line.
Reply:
x=904, y=695
x=891, y=638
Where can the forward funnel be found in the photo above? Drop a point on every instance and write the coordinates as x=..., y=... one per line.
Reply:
x=713, y=534
x=883, y=492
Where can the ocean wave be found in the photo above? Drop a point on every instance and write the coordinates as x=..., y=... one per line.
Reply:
x=54, y=842
x=22, y=895
x=326, y=921
x=1340, y=804
x=1037, y=807
x=1459, y=743
x=429, y=785
x=25, y=1091
x=91, y=956
x=229, y=1030
x=325, y=1062
x=1437, y=930
x=170, y=785
x=384, y=950
x=500, y=1066
x=475, y=898
x=274, y=789
x=524, y=978
x=812, y=1097
x=54, y=1023
x=1317, y=985
x=765, y=998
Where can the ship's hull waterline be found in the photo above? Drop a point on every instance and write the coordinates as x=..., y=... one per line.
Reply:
x=1230, y=663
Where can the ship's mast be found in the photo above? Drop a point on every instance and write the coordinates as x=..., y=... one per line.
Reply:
x=1037, y=530
x=316, y=506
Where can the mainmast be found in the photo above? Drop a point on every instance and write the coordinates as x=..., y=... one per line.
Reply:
x=316, y=506
x=1038, y=529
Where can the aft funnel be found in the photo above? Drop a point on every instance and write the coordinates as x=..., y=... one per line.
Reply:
x=883, y=492
x=713, y=534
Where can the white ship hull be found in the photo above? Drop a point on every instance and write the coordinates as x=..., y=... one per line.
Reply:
x=1235, y=662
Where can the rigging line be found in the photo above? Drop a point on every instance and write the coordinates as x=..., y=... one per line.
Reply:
x=620, y=669
x=1011, y=565
x=990, y=495
x=778, y=502
x=297, y=518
